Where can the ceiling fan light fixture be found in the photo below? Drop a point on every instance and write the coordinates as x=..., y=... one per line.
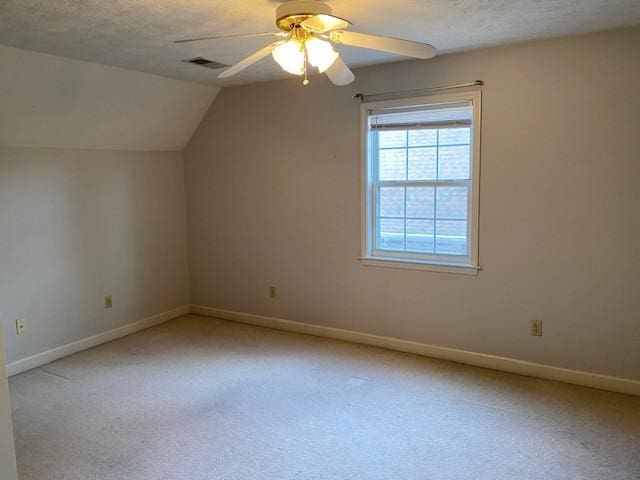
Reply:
x=320, y=53
x=306, y=24
x=290, y=56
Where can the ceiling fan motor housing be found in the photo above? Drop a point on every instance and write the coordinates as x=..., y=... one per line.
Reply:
x=292, y=13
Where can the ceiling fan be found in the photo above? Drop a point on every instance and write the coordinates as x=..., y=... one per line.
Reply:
x=308, y=29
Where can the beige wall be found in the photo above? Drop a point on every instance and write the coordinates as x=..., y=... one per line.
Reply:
x=273, y=179
x=7, y=450
x=80, y=224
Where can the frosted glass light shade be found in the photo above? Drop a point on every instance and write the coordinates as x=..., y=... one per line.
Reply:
x=290, y=57
x=320, y=53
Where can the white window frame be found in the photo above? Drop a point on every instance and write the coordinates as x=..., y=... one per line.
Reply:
x=438, y=263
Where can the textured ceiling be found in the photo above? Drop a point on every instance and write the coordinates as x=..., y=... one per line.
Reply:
x=138, y=34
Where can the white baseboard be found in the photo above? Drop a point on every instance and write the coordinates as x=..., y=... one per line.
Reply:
x=49, y=356
x=576, y=377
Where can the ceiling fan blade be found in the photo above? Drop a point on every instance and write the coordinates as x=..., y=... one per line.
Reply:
x=250, y=60
x=383, y=44
x=323, y=23
x=339, y=73
x=241, y=35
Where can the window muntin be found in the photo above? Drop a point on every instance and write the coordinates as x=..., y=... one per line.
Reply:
x=420, y=183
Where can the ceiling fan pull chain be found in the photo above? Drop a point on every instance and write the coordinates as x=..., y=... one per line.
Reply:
x=306, y=64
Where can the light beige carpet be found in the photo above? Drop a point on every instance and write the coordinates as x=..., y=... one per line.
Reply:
x=200, y=398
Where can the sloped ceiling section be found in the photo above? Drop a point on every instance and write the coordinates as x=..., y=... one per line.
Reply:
x=49, y=101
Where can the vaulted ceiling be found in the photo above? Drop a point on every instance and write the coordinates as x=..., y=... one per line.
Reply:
x=138, y=34
x=52, y=102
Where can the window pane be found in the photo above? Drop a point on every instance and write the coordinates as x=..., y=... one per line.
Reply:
x=453, y=163
x=423, y=137
x=391, y=202
x=422, y=163
x=392, y=138
x=420, y=202
x=420, y=236
x=451, y=203
x=421, y=181
x=390, y=234
x=451, y=237
x=393, y=164
x=454, y=136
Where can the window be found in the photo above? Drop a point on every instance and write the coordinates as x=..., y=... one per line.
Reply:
x=421, y=165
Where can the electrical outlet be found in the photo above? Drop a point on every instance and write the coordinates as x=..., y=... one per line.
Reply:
x=272, y=292
x=108, y=301
x=536, y=328
x=21, y=326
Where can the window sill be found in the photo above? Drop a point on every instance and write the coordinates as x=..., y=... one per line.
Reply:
x=441, y=267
